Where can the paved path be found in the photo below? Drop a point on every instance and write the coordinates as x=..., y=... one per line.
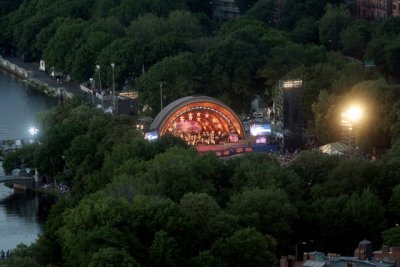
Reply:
x=72, y=87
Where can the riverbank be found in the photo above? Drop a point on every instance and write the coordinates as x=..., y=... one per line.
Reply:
x=37, y=79
x=30, y=73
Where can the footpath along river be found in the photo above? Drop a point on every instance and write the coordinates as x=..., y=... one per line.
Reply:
x=21, y=213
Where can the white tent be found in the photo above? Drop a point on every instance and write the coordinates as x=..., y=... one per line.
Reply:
x=336, y=148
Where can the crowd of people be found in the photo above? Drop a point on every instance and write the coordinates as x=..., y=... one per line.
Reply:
x=286, y=159
x=58, y=187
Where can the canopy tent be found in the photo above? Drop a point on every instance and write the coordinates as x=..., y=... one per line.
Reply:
x=336, y=148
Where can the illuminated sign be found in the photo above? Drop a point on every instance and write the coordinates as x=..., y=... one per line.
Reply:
x=262, y=129
x=152, y=135
x=292, y=83
x=129, y=94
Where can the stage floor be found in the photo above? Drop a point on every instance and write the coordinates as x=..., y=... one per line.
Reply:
x=226, y=149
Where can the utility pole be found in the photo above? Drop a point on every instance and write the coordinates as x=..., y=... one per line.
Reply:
x=113, y=96
x=161, y=95
x=101, y=90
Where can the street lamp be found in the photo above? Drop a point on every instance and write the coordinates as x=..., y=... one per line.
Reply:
x=92, y=88
x=113, y=80
x=101, y=90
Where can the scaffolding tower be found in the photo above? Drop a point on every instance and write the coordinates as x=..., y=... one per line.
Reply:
x=349, y=139
x=288, y=112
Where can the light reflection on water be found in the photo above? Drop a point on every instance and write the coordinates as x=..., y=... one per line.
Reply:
x=21, y=213
x=18, y=107
x=18, y=220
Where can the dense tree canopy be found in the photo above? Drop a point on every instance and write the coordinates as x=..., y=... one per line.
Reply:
x=139, y=203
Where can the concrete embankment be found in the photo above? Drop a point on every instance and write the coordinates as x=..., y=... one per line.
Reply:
x=28, y=77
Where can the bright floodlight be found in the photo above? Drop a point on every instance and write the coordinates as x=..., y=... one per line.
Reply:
x=353, y=114
x=33, y=130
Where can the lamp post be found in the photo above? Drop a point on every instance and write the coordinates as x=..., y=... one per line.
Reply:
x=101, y=90
x=113, y=81
x=92, y=89
x=350, y=120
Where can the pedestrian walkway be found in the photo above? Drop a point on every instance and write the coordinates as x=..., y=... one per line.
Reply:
x=71, y=86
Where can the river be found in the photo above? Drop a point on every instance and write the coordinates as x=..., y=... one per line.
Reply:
x=21, y=213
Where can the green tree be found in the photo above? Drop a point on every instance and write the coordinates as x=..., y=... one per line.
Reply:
x=80, y=147
x=147, y=27
x=363, y=222
x=66, y=40
x=313, y=168
x=164, y=250
x=245, y=247
x=391, y=236
x=394, y=205
x=325, y=117
x=177, y=172
x=354, y=38
x=112, y=257
x=123, y=53
x=21, y=257
x=244, y=5
x=306, y=31
x=375, y=52
x=46, y=33
x=184, y=23
x=23, y=156
x=200, y=210
x=267, y=210
x=334, y=21
x=84, y=57
x=176, y=72
x=263, y=10
x=230, y=67
x=291, y=11
x=25, y=34
x=199, y=6
x=92, y=227
x=260, y=171
x=8, y=6
x=329, y=229
x=392, y=56
x=128, y=10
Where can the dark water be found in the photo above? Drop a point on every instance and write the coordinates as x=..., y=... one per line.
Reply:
x=18, y=107
x=22, y=216
x=21, y=213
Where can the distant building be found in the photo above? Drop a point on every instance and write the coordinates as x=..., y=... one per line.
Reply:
x=375, y=9
x=388, y=254
x=396, y=8
x=364, y=250
x=225, y=9
x=352, y=6
x=363, y=257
